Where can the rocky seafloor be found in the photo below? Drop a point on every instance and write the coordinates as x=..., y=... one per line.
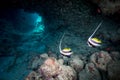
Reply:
x=98, y=66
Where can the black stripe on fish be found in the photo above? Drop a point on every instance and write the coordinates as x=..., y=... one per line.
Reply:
x=91, y=44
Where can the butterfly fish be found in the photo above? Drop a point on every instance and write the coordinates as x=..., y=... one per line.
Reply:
x=65, y=51
x=93, y=41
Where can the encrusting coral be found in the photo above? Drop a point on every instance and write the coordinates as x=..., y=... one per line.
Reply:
x=114, y=71
x=37, y=61
x=67, y=73
x=77, y=67
x=33, y=76
x=115, y=55
x=101, y=59
x=89, y=73
x=76, y=63
x=52, y=70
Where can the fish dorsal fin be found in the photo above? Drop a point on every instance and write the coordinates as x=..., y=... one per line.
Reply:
x=60, y=49
x=96, y=29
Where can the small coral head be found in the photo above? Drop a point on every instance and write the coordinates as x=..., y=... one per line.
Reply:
x=101, y=55
x=50, y=61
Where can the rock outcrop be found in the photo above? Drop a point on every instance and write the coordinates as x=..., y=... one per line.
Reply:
x=101, y=59
x=89, y=73
x=52, y=70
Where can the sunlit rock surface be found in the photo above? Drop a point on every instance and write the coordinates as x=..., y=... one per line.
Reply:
x=51, y=69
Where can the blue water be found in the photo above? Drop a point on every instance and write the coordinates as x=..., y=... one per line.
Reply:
x=20, y=40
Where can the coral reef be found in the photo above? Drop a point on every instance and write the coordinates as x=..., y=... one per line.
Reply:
x=77, y=68
x=76, y=63
x=44, y=56
x=51, y=69
x=61, y=61
x=115, y=55
x=101, y=59
x=67, y=73
x=114, y=71
x=89, y=73
x=33, y=76
x=108, y=6
x=37, y=61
